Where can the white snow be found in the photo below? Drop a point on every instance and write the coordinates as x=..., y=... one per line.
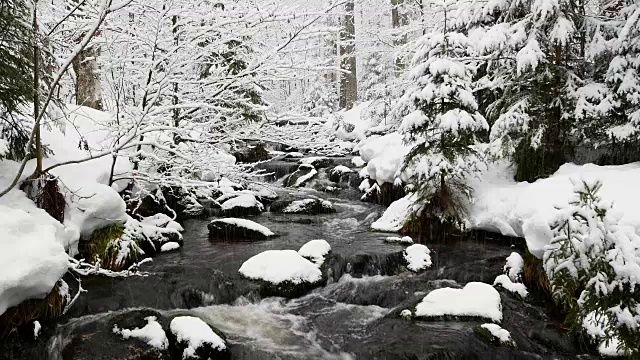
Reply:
x=32, y=257
x=397, y=239
x=396, y=214
x=341, y=169
x=499, y=333
x=357, y=161
x=243, y=201
x=311, y=160
x=595, y=327
x=476, y=299
x=169, y=246
x=525, y=209
x=304, y=178
x=162, y=221
x=514, y=266
x=195, y=333
x=513, y=287
x=36, y=329
x=315, y=250
x=152, y=333
x=417, y=257
x=300, y=205
x=277, y=266
x=384, y=156
x=248, y=224
x=354, y=117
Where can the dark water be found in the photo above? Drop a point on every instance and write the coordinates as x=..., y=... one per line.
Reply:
x=355, y=316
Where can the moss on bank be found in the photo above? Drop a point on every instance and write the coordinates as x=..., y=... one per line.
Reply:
x=111, y=248
x=18, y=320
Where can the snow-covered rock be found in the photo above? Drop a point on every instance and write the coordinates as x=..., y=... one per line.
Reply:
x=169, y=246
x=305, y=206
x=301, y=176
x=152, y=333
x=417, y=257
x=283, y=272
x=513, y=287
x=357, y=161
x=396, y=214
x=315, y=250
x=497, y=334
x=196, y=340
x=384, y=156
x=162, y=221
x=32, y=257
x=317, y=162
x=514, y=266
x=243, y=205
x=238, y=229
x=399, y=240
x=476, y=299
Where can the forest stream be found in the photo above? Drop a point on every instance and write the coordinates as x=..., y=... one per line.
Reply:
x=354, y=316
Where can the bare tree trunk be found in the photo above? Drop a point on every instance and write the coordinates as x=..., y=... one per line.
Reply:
x=398, y=20
x=87, y=80
x=348, y=81
x=36, y=92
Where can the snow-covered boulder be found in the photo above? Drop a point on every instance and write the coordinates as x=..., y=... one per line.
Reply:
x=195, y=339
x=476, y=299
x=315, y=250
x=417, y=257
x=513, y=287
x=399, y=240
x=243, y=205
x=384, y=156
x=358, y=162
x=152, y=333
x=301, y=176
x=305, y=206
x=317, y=162
x=32, y=259
x=282, y=273
x=514, y=266
x=337, y=172
x=396, y=214
x=230, y=229
x=494, y=334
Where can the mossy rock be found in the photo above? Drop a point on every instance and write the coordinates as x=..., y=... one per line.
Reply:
x=103, y=246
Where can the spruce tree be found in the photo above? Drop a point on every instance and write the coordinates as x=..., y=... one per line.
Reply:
x=444, y=126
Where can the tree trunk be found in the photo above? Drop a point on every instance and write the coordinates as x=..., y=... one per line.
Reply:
x=348, y=81
x=398, y=20
x=87, y=80
x=36, y=92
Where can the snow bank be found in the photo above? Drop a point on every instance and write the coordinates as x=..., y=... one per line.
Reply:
x=396, y=214
x=278, y=266
x=417, y=257
x=499, y=333
x=152, y=333
x=476, y=299
x=358, y=125
x=524, y=209
x=32, y=257
x=195, y=333
x=315, y=250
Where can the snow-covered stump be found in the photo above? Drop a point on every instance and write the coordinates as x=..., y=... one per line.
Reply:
x=230, y=229
x=475, y=300
x=242, y=205
x=301, y=176
x=192, y=338
x=305, y=206
x=283, y=273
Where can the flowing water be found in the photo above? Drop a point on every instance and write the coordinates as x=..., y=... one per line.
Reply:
x=355, y=316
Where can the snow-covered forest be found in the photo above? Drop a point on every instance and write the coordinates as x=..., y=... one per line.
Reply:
x=319, y=179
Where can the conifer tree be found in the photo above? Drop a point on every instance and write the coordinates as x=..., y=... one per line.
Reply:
x=444, y=126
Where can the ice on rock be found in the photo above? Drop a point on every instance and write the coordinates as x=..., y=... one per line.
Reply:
x=476, y=299
x=417, y=257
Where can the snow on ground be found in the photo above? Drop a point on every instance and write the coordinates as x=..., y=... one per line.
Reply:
x=169, y=246
x=277, y=266
x=499, y=333
x=524, y=209
x=247, y=224
x=513, y=287
x=152, y=333
x=514, y=266
x=396, y=214
x=315, y=250
x=476, y=299
x=354, y=118
x=398, y=239
x=244, y=201
x=417, y=257
x=196, y=333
